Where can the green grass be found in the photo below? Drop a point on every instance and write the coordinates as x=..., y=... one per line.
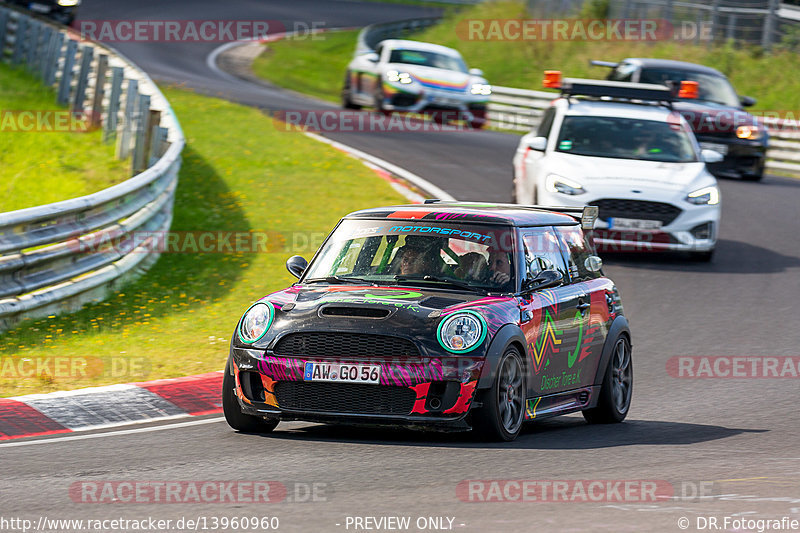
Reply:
x=42, y=167
x=764, y=76
x=240, y=173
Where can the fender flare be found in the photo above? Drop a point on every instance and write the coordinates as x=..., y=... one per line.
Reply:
x=618, y=327
x=505, y=336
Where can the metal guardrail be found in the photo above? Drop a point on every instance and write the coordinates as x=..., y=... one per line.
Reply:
x=521, y=110
x=371, y=35
x=50, y=261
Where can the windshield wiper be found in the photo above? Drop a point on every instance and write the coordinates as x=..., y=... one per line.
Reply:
x=437, y=279
x=339, y=279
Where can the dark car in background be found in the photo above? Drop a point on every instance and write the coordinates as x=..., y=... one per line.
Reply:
x=61, y=11
x=717, y=115
x=446, y=315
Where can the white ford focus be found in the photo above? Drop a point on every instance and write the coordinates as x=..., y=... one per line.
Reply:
x=621, y=147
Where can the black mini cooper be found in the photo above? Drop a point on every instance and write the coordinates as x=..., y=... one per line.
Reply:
x=444, y=315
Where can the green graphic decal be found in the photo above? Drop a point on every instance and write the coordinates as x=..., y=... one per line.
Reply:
x=395, y=295
x=571, y=358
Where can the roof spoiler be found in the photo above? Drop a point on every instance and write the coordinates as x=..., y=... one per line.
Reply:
x=598, y=63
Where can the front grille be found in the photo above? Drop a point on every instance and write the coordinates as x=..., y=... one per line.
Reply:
x=335, y=344
x=345, y=398
x=404, y=100
x=637, y=209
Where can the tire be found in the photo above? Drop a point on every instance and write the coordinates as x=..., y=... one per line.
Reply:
x=503, y=411
x=479, y=121
x=753, y=177
x=702, y=257
x=347, y=103
x=233, y=411
x=617, y=389
x=379, y=103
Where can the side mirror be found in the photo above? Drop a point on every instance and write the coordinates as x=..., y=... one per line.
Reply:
x=296, y=265
x=372, y=57
x=538, y=143
x=476, y=72
x=711, y=156
x=593, y=263
x=747, y=101
x=544, y=280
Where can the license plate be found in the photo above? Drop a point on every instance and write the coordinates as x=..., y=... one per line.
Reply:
x=633, y=223
x=721, y=148
x=444, y=101
x=342, y=372
x=39, y=8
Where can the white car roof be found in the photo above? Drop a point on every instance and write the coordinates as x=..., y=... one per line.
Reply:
x=601, y=108
x=419, y=45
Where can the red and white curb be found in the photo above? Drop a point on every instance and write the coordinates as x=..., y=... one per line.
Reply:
x=111, y=406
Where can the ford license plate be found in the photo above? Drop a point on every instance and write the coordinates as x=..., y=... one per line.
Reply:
x=633, y=223
x=342, y=372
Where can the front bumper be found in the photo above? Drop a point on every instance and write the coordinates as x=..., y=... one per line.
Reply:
x=743, y=157
x=463, y=104
x=694, y=229
x=436, y=392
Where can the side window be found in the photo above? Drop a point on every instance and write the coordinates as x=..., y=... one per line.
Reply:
x=547, y=123
x=580, y=249
x=623, y=72
x=379, y=51
x=542, y=250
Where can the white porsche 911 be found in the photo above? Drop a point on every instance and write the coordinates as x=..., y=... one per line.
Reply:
x=622, y=148
x=417, y=77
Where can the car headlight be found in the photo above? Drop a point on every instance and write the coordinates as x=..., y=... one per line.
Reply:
x=256, y=321
x=68, y=3
x=462, y=331
x=749, y=131
x=704, y=196
x=556, y=183
x=481, y=88
x=395, y=76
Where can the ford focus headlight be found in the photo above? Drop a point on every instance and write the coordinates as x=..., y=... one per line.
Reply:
x=68, y=3
x=556, y=183
x=749, y=132
x=256, y=322
x=462, y=331
x=704, y=196
x=401, y=77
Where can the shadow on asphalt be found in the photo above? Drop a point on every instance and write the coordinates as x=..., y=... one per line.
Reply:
x=567, y=433
x=731, y=257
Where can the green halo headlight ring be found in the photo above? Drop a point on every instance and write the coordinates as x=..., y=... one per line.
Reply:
x=453, y=316
x=271, y=312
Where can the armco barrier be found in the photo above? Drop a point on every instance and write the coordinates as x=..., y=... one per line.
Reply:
x=43, y=269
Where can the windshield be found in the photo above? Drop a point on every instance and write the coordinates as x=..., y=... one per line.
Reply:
x=626, y=138
x=424, y=253
x=710, y=88
x=428, y=59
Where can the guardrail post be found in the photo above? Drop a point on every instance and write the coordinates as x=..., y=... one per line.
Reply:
x=42, y=50
x=153, y=120
x=3, y=32
x=87, y=54
x=124, y=140
x=19, y=40
x=110, y=127
x=138, y=161
x=33, y=43
x=66, y=73
x=51, y=61
x=99, y=91
x=158, y=144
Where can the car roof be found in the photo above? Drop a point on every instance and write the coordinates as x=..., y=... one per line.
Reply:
x=419, y=45
x=467, y=212
x=612, y=108
x=673, y=64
